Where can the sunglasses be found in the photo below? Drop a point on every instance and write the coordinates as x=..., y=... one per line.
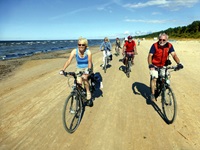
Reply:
x=81, y=44
x=162, y=40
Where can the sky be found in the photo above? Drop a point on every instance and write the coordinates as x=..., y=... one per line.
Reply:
x=92, y=19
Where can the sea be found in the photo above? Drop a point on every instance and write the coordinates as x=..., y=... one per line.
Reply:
x=18, y=49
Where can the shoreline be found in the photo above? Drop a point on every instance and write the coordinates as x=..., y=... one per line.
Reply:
x=7, y=67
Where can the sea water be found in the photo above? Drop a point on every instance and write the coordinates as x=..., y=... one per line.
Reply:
x=17, y=49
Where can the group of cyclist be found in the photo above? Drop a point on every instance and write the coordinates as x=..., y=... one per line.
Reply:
x=157, y=58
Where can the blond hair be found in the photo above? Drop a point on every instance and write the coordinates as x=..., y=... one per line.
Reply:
x=83, y=40
x=106, y=39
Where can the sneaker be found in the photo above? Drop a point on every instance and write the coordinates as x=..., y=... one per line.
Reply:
x=153, y=98
x=132, y=63
x=89, y=103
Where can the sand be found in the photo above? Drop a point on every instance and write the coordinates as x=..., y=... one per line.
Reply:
x=32, y=96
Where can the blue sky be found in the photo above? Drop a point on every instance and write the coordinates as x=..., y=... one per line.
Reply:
x=93, y=19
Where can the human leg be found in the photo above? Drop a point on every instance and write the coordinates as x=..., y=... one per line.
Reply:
x=154, y=76
x=132, y=61
x=104, y=56
x=86, y=85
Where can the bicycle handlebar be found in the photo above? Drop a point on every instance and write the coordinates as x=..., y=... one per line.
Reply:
x=74, y=74
x=70, y=73
x=174, y=68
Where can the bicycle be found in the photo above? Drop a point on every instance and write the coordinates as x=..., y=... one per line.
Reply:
x=164, y=90
x=74, y=104
x=117, y=49
x=129, y=64
x=106, y=61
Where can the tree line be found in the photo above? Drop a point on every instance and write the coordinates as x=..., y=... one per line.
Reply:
x=190, y=31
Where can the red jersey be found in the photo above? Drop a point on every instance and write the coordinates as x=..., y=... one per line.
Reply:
x=161, y=54
x=130, y=46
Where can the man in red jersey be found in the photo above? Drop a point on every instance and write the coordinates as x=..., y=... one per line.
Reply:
x=158, y=57
x=129, y=48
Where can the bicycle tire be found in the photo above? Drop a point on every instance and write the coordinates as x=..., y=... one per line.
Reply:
x=169, y=105
x=117, y=51
x=128, y=69
x=72, y=113
x=158, y=88
x=105, y=65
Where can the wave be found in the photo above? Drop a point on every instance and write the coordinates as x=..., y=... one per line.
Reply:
x=17, y=49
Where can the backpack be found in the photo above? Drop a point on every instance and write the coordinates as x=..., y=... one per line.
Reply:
x=96, y=80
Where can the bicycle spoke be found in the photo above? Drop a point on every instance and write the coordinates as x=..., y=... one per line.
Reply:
x=169, y=105
x=71, y=113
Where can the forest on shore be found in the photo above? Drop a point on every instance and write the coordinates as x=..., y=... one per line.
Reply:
x=184, y=32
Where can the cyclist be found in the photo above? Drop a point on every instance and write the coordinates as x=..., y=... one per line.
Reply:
x=159, y=57
x=138, y=42
x=124, y=40
x=84, y=64
x=106, y=48
x=129, y=48
x=117, y=45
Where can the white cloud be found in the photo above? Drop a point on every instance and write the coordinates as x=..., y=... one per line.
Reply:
x=171, y=4
x=156, y=13
x=126, y=32
x=149, y=21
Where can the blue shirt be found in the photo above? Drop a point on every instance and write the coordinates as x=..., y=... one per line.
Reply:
x=106, y=46
x=82, y=62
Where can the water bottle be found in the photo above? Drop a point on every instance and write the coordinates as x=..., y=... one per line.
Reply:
x=167, y=81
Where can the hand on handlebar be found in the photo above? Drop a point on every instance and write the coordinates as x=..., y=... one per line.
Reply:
x=178, y=67
x=151, y=66
x=61, y=72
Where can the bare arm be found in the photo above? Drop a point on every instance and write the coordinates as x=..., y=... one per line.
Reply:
x=149, y=59
x=70, y=59
x=89, y=59
x=175, y=57
x=135, y=49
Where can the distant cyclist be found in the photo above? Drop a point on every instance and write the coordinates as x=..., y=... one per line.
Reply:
x=117, y=45
x=106, y=47
x=158, y=57
x=129, y=48
x=84, y=64
x=138, y=42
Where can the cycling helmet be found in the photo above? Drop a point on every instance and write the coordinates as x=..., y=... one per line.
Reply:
x=130, y=37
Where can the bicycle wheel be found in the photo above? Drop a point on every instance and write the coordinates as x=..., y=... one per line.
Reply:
x=128, y=69
x=169, y=105
x=72, y=113
x=105, y=64
x=117, y=51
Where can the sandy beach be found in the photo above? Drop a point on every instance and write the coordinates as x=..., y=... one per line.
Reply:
x=33, y=93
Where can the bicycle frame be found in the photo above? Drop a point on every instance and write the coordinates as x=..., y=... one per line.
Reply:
x=163, y=79
x=77, y=88
x=164, y=90
x=117, y=50
x=105, y=62
x=74, y=105
x=128, y=65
